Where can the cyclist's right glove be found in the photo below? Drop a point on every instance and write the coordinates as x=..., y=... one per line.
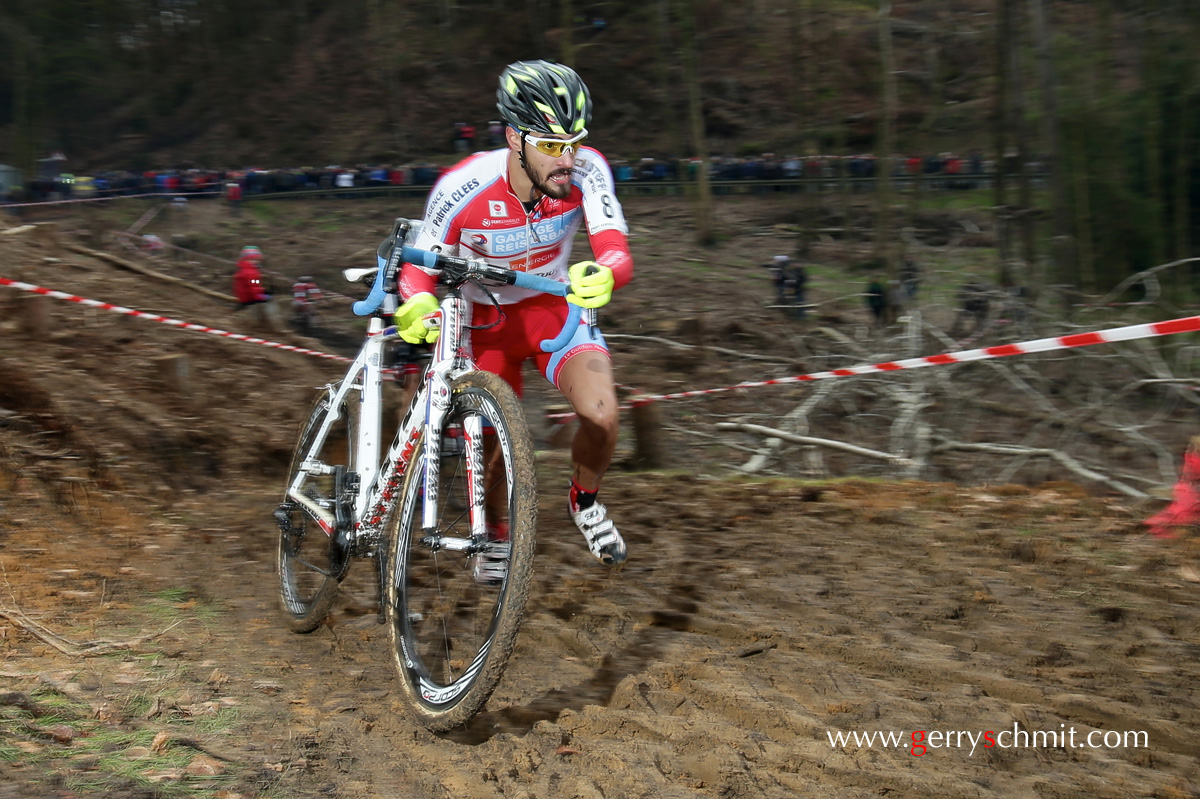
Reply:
x=411, y=322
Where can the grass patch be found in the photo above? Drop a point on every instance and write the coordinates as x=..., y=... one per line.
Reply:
x=173, y=604
x=90, y=756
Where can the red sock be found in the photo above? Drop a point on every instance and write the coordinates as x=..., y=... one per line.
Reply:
x=498, y=531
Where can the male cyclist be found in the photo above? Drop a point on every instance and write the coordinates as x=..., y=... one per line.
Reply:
x=519, y=207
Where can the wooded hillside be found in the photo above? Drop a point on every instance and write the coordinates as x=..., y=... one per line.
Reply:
x=1102, y=91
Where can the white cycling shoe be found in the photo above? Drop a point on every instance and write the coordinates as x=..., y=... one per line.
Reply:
x=603, y=539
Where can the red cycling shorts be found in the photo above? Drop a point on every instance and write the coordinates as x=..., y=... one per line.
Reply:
x=517, y=337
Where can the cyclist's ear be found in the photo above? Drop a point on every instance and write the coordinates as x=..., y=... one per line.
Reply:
x=513, y=137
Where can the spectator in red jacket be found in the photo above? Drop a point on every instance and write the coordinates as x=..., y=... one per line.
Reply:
x=247, y=280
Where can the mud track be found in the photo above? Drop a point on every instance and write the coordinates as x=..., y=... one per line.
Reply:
x=755, y=619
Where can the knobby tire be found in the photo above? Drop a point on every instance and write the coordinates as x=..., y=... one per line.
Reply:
x=451, y=636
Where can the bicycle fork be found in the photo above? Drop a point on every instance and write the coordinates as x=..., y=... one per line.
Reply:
x=455, y=313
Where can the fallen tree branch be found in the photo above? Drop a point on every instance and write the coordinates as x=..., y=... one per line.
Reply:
x=1057, y=455
x=819, y=442
x=68, y=647
x=141, y=270
x=746, y=356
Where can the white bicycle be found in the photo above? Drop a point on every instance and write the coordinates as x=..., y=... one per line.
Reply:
x=418, y=507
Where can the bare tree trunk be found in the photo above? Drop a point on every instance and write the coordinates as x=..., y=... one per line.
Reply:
x=883, y=163
x=931, y=42
x=567, y=21
x=1002, y=129
x=381, y=36
x=1083, y=221
x=1183, y=169
x=1024, y=184
x=1016, y=122
x=802, y=73
x=666, y=88
x=23, y=112
x=689, y=48
x=1152, y=124
x=841, y=146
x=1066, y=265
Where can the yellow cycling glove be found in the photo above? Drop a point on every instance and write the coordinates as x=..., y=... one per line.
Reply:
x=410, y=319
x=591, y=284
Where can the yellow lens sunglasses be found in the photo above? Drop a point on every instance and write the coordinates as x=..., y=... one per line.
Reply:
x=556, y=147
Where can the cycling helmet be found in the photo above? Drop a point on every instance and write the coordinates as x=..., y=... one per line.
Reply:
x=251, y=252
x=540, y=97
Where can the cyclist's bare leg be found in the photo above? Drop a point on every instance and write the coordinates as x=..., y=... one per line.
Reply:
x=586, y=381
x=495, y=494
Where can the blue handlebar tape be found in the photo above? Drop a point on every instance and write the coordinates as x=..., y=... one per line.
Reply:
x=545, y=285
x=523, y=280
x=419, y=257
x=568, y=330
x=373, y=300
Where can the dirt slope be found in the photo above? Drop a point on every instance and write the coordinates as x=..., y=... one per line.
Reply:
x=756, y=617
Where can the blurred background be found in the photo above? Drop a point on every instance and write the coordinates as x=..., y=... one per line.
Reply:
x=1078, y=119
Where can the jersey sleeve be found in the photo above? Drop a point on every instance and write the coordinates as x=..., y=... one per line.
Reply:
x=611, y=248
x=601, y=208
x=437, y=233
x=606, y=227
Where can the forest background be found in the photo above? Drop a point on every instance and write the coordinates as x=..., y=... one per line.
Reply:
x=1102, y=94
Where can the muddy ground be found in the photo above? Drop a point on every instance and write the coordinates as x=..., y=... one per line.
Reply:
x=996, y=628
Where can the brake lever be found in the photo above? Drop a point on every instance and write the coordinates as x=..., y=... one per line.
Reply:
x=592, y=317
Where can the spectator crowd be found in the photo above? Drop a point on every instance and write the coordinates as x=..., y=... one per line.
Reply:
x=945, y=170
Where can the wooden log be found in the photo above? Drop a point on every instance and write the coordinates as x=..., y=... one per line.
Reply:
x=174, y=372
x=33, y=311
x=648, y=452
x=560, y=429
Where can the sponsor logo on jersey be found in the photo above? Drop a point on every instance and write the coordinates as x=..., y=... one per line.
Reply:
x=439, y=212
x=479, y=241
x=497, y=209
x=537, y=262
x=545, y=232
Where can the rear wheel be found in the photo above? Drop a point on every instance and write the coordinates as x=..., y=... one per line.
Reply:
x=311, y=561
x=452, y=635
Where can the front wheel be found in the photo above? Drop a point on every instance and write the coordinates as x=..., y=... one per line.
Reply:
x=452, y=628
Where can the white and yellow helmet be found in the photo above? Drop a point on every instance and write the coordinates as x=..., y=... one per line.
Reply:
x=543, y=98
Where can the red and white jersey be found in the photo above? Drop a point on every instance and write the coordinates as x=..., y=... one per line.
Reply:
x=473, y=212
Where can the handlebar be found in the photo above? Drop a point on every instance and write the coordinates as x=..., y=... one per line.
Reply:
x=374, y=299
x=463, y=268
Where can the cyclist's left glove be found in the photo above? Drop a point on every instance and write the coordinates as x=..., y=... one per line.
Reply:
x=591, y=284
x=411, y=322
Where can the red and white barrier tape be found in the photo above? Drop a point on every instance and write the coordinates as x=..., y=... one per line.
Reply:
x=177, y=323
x=1171, y=327
x=1188, y=324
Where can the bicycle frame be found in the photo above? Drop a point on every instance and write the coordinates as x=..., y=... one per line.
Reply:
x=363, y=518
x=378, y=474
